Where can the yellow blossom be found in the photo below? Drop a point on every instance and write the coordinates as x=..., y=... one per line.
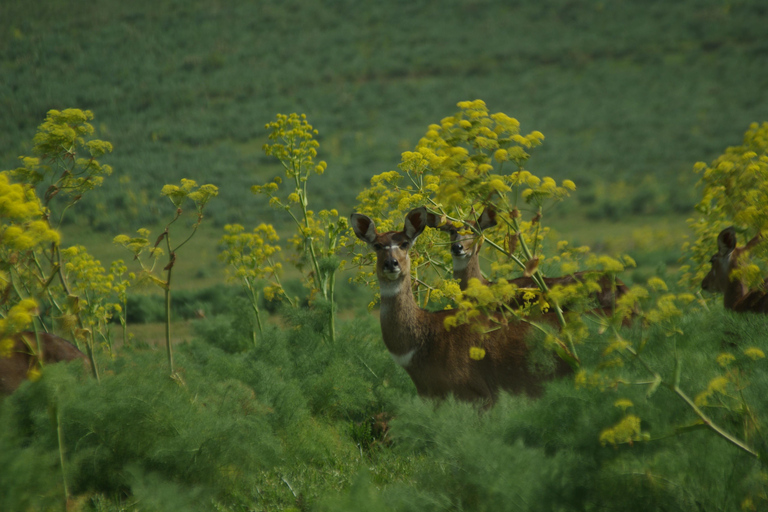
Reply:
x=725, y=359
x=476, y=353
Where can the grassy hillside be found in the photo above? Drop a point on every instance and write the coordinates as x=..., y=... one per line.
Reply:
x=628, y=93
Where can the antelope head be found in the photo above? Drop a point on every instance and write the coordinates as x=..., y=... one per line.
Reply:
x=393, y=265
x=723, y=261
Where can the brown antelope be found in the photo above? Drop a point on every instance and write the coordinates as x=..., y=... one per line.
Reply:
x=438, y=360
x=465, y=251
x=736, y=295
x=15, y=368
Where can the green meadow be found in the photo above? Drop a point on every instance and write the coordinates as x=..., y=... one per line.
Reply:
x=628, y=94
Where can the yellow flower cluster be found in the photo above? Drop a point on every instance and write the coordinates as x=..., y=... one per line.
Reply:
x=22, y=227
x=249, y=255
x=18, y=318
x=294, y=145
x=626, y=431
x=92, y=284
x=189, y=189
x=70, y=163
x=462, y=164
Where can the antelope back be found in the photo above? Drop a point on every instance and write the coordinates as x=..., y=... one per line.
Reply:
x=15, y=368
x=610, y=289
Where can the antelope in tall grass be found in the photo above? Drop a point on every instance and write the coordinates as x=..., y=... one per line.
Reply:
x=438, y=360
x=15, y=368
x=465, y=255
x=736, y=295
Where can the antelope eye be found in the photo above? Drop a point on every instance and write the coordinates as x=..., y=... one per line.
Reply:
x=404, y=246
x=377, y=247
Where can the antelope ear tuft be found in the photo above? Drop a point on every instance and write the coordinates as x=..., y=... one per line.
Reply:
x=364, y=227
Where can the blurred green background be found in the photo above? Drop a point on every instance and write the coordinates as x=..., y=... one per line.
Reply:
x=629, y=94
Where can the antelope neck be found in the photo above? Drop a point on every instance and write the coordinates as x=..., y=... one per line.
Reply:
x=467, y=269
x=401, y=319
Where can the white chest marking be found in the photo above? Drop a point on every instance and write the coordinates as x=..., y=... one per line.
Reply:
x=403, y=359
x=460, y=263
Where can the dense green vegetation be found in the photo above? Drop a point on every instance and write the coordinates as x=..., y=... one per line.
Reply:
x=628, y=93
x=285, y=397
x=288, y=425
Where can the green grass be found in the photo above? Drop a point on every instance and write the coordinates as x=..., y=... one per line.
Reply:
x=629, y=94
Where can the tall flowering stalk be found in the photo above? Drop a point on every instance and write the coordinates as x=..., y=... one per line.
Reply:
x=470, y=160
x=318, y=237
x=178, y=195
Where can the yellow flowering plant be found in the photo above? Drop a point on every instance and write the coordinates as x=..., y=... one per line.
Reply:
x=65, y=165
x=250, y=261
x=94, y=298
x=318, y=237
x=473, y=160
x=66, y=158
x=139, y=246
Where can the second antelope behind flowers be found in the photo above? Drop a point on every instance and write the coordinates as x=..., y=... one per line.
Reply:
x=465, y=255
x=438, y=360
x=736, y=295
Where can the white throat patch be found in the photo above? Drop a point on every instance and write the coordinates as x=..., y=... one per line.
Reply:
x=389, y=289
x=403, y=359
x=460, y=263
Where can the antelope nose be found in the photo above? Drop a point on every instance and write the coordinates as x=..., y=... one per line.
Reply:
x=457, y=249
x=391, y=265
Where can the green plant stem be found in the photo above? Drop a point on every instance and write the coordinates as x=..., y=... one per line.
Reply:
x=538, y=279
x=254, y=298
x=310, y=240
x=168, y=345
x=712, y=425
x=124, y=321
x=695, y=408
x=60, y=441
x=332, y=312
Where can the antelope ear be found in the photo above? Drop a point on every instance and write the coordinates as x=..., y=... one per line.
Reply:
x=437, y=221
x=415, y=222
x=726, y=241
x=363, y=226
x=487, y=218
